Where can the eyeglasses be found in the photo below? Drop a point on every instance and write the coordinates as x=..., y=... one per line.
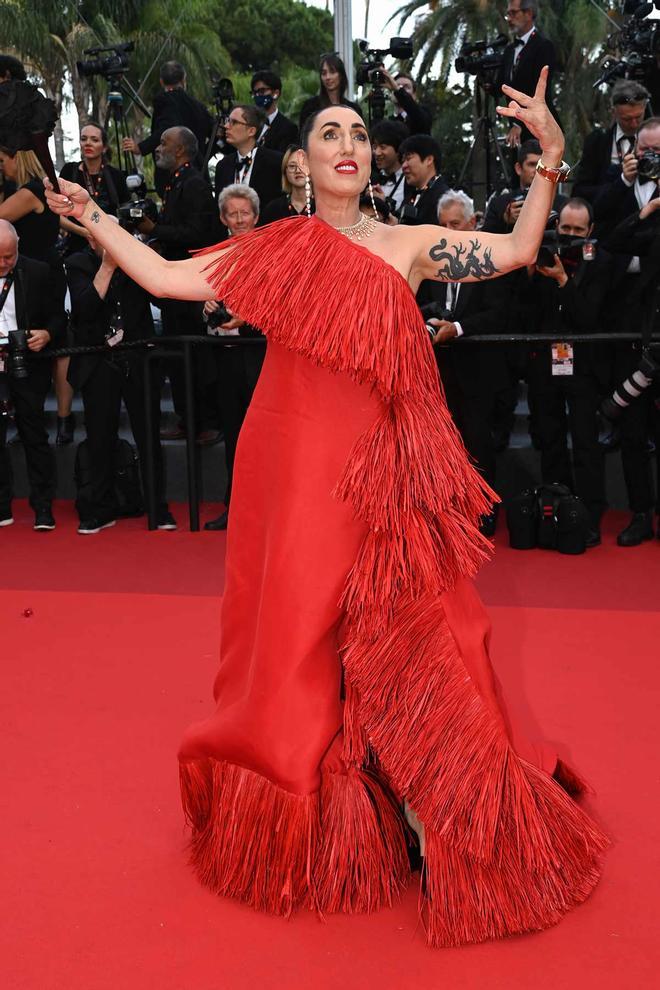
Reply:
x=234, y=120
x=513, y=12
x=261, y=89
x=294, y=168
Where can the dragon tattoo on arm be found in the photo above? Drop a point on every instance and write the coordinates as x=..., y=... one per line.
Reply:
x=461, y=262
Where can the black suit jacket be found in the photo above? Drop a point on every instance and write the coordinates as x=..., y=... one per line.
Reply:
x=39, y=296
x=538, y=51
x=494, y=220
x=281, y=133
x=596, y=167
x=615, y=202
x=418, y=118
x=175, y=108
x=189, y=218
x=265, y=177
x=642, y=238
x=481, y=308
x=91, y=315
x=427, y=204
x=577, y=308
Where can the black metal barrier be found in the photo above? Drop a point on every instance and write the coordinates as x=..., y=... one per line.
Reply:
x=155, y=348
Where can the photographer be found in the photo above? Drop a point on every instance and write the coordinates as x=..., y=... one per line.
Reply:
x=31, y=317
x=188, y=220
x=604, y=151
x=471, y=375
x=278, y=132
x=257, y=167
x=238, y=367
x=639, y=232
x=503, y=210
x=387, y=136
x=568, y=295
x=420, y=162
x=523, y=60
x=416, y=117
x=173, y=107
x=107, y=307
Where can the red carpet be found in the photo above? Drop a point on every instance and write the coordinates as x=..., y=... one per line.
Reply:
x=118, y=656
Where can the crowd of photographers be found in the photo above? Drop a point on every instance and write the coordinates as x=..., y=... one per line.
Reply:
x=598, y=271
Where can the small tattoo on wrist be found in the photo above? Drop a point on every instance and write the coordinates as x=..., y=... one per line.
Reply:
x=95, y=217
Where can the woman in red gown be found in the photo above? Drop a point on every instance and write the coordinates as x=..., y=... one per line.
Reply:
x=355, y=693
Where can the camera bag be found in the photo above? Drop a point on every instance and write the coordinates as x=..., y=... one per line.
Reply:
x=522, y=520
x=550, y=517
x=128, y=490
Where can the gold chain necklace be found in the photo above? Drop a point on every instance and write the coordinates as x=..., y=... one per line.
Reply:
x=363, y=228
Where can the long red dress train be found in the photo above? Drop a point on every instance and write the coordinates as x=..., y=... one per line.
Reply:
x=354, y=668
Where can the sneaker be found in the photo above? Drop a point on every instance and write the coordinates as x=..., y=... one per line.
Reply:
x=165, y=520
x=89, y=526
x=6, y=518
x=43, y=519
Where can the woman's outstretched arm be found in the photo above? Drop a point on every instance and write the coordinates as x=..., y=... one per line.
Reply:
x=470, y=256
x=165, y=279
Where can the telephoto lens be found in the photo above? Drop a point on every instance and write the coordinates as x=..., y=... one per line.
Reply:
x=628, y=391
x=17, y=354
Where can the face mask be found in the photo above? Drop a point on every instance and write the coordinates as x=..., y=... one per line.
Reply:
x=263, y=100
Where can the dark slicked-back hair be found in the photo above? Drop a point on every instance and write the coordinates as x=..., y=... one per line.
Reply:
x=172, y=73
x=308, y=126
x=422, y=145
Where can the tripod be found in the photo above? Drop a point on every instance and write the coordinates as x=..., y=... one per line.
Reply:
x=115, y=119
x=223, y=97
x=484, y=140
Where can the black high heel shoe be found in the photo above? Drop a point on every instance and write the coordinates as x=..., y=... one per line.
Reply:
x=65, y=427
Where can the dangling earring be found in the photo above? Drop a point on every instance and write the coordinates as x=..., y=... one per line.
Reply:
x=373, y=201
x=308, y=197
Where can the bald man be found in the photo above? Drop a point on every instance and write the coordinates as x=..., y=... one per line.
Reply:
x=31, y=317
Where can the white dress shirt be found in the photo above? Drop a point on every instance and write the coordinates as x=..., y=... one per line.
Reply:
x=8, y=314
x=643, y=194
x=393, y=187
x=453, y=289
x=620, y=149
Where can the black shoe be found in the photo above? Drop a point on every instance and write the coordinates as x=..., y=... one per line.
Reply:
x=637, y=531
x=43, y=519
x=488, y=525
x=88, y=527
x=219, y=523
x=65, y=428
x=593, y=537
x=6, y=518
x=165, y=520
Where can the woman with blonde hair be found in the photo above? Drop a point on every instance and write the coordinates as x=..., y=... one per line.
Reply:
x=294, y=200
x=38, y=229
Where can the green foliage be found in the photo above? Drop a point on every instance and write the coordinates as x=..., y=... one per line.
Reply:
x=272, y=33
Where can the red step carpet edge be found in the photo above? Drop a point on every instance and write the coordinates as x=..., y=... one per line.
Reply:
x=105, y=673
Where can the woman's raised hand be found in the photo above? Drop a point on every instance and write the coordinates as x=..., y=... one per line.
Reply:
x=70, y=201
x=532, y=111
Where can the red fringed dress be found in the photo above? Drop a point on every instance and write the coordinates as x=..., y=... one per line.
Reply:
x=354, y=671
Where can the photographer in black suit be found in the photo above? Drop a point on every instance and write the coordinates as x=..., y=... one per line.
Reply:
x=524, y=58
x=387, y=136
x=604, y=151
x=31, y=316
x=635, y=241
x=415, y=116
x=420, y=162
x=238, y=367
x=471, y=374
x=566, y=381
x=503, y=210
x=278, y=132
x=173, y=107
x=188, y=220
x=107, y=307
x=257, y=167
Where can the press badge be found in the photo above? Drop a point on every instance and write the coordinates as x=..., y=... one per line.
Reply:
x=562, y=359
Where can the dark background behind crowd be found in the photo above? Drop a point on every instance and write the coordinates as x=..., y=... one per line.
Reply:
x=597, y=272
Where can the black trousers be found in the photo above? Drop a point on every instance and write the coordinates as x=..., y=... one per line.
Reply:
x=102, y=393
x=472, y=414
x=639, y=424
x=561, y=404
x=185, y=319
x=28, y=396
x=238, y=369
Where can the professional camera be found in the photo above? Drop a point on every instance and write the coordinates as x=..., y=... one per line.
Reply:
x=435, y=311
x=614, y=406
x=639, y=43
x=482, y=58
x=566, y=246
x=223, y=94
x=139, y=207
x=648, y=166
x=368, y=70
x=218, y=317
x=111, y=66
x=17, y=351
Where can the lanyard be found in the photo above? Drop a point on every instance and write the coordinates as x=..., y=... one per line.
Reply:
x=9, y=281
x=175, y=175
x=93, y=182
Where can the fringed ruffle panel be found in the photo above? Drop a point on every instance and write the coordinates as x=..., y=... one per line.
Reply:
x=340, y=849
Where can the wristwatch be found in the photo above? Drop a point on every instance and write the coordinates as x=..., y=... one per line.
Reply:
x=557, y=174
